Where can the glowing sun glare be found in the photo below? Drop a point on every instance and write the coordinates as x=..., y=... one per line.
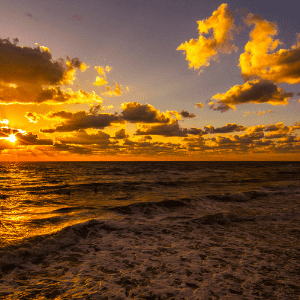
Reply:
x=12, y=138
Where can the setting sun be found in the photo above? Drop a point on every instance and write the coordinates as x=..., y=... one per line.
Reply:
x=12, y=138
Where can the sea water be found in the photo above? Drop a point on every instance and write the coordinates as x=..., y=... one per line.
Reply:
x=150, y=230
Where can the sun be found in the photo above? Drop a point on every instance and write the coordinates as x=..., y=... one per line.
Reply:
x=12, y=138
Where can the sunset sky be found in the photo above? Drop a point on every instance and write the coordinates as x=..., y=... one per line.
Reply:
x=149, y=80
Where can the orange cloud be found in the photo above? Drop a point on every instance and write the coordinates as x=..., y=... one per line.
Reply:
x=101, y=71
x=113, y=92
x=100, y=81
x=199, y=105
x=256, y=91
x=117, y=91
x=199, y=52
x=259, y=58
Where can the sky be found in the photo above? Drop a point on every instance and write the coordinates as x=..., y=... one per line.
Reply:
x=149, y=80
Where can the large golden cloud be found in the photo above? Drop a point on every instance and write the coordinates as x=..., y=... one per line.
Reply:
x=199, y=52
x=260, y=58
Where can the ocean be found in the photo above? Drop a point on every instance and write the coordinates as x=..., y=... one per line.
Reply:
x=150, y=230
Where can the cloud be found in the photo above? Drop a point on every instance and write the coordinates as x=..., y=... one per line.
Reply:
x=167, y=130
x=152, y=149
x=103, y=70
x=186, y=114
x=80, y=120
x=5, y=131
x=256, y=128
x=225, y=129
x=259, y=58
x=278, y=127
x=279, y=130
x=199, y=105
x=288, y=139
x=31, y=139
x=100, y=81
x=117, y=91
x=81, y=150
x=199, y=52
x=30, y=75
x=83, y=138
x=54, y=95
x=32, y=117
x=237, y=143
x=121, y=134
x=256, y=91
x=4, y=121
x=143, y=113
x=22, y=138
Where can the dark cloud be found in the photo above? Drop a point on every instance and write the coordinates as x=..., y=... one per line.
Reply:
x=32, y=117
x=80, y=120
x=31, y=139
x=278, y=127
x=30, y=75
x=22, y=138
x=121, y=134
x=287, y=148
x=276, y=135
x=81, y=150
x=6, y=131
x=167, y=130
x=289, y=139
x=256, y=91
x=225, y=129
x=83, y=138
x=186, y=114
x=263, y=143
x=143, y=113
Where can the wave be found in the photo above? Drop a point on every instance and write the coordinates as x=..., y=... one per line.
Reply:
x=36, y=249
x=40, y=246
x=221, y=218
x=148, y=207
x=238, y=197
x=72, y=209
